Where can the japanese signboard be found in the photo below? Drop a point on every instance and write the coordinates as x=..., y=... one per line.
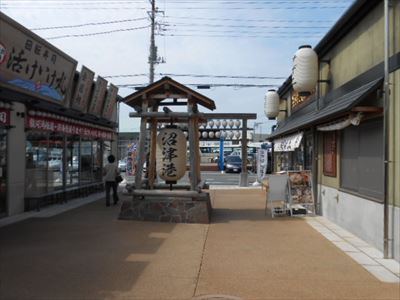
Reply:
x=288, y=143
x=99, y=93
x=30, y=64
x=171, y=154
x=4, y=117
x=53, y=125
x=83, y=89
x=262, y=163
x=109, y=103
x=300, y=187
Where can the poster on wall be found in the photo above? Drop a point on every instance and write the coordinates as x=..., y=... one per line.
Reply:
x=300, y=188
x=98, y=97
x=30, y=64
x=83, y=89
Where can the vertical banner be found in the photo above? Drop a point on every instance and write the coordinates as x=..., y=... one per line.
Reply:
x=98, y=97
x=29, y=63
x=83, y=89
x=109, y=103
x=262, y=163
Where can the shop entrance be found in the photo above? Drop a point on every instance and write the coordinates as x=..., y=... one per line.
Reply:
x=3, y=172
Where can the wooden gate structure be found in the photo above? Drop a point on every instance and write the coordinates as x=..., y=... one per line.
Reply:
x=151, y=202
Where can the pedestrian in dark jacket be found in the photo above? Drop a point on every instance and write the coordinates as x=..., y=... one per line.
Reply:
x=110, y=172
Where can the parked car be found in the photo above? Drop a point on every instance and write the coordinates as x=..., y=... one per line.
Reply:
x=122, y=165
x=233, y=163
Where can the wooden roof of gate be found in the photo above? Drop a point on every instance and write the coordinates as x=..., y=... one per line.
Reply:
x=166, y=88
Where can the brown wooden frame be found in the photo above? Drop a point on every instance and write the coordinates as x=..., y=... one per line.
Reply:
x=330, y=153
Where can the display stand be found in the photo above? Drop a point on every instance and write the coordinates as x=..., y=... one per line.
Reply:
x=301, y=198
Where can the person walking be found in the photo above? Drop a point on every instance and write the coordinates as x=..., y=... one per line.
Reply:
x=110, y=172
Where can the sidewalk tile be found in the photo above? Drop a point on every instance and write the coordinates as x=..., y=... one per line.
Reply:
x=346, y=247
x=371, y=252
x=382, y=274
x=391, y=265
x=362, y=258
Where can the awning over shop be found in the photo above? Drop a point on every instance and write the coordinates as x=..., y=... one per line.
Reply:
x=288, y=143
x=334, y=108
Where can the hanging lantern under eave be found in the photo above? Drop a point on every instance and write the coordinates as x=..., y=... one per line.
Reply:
x=211, y=134
x=305, y=70
x=271, y=104
x=204, y=134
x=171, y=154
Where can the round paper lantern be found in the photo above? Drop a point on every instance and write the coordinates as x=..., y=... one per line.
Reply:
x=211, y=123
x=231, y=123
x=224, y=123
x=305, y=70
x=271, y=104
x=171, y=154
x=238, y=123
x=218, y=134
x=237, y=134
x=217, y=123
x=211, y=134
x=223, y=134
x=204, y=134
x=230, y=134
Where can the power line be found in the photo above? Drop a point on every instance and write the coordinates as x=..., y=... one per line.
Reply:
x=242, y=36
x=95, y=33
x=197, y=76
x=251, y=20
x=244, y=26
x=88, y=24
x=211, y=85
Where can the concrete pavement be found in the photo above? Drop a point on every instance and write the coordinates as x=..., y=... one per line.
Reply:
x=86, y=253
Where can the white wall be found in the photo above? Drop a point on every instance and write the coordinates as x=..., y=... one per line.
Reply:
x=362, y=217
x=16, y=161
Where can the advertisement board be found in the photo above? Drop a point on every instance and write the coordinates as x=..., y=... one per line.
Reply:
x=30, y=64
x=109, y=103
x=98, y=96
x=83, y=89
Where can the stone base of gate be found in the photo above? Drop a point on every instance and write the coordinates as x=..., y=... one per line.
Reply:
x=167, y=209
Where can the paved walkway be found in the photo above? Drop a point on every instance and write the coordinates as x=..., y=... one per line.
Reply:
x=86, y=253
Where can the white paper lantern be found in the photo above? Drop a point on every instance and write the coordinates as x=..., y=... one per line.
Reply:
x=231, y=123
x=223, y=134
x=237, y=123
x=271, y=104
x=211, y=124
x=217, y=123
x=204, y=134
x=171, y=154
x=224, y=123
x=218, y=134
x=305, y=70
x=230, y=134
x=237, y=134
x=211, y=134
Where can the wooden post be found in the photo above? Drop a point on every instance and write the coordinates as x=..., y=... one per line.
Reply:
x=243, y=175
x=152, y=158
x=193, y=151
x=141, y=148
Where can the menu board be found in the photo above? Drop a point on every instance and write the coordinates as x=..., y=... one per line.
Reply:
x=300, y=187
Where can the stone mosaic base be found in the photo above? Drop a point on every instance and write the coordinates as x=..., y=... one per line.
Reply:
x=167, y=209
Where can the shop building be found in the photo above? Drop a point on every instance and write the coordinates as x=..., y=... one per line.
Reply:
x=57, y=125
x=347, y=130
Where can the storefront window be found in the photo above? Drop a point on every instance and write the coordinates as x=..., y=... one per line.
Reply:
x=86, y=162
x=55, y=162
x=36, y=164
x=3, y=172
x=73, y=162
x=106, y=151
x=97, y=160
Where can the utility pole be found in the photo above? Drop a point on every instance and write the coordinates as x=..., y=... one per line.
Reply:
x=153, y=48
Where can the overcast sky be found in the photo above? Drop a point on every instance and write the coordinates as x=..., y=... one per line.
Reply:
x=202, y=37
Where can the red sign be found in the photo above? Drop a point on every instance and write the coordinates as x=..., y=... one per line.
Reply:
x=4, y=117
x=48, y=124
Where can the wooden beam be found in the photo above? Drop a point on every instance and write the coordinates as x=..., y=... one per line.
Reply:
x=141, y=149
x=193, y=151
x=168, y=96
x=164, y=193
x=153, y=149
x=163, y=115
